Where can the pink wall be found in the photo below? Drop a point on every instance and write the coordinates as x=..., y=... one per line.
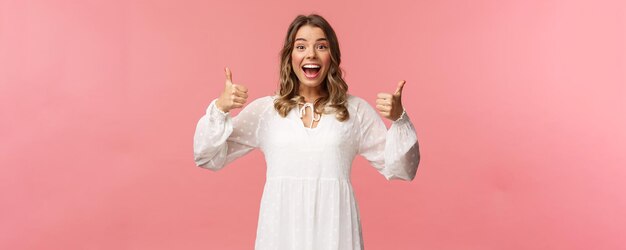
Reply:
x=519, y=107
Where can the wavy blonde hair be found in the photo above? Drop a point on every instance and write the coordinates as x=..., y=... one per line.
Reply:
x=334, y=85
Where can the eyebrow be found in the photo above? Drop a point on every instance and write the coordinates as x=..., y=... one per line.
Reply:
x=319, y=39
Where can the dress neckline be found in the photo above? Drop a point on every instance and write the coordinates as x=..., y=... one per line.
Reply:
x=321, y=121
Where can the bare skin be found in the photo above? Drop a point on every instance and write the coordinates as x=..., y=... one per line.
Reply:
x=233, y=96
x=390, y=105
x=310, y=48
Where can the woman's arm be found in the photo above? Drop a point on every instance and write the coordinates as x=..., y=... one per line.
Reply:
x=220, y=139
x=394, y=152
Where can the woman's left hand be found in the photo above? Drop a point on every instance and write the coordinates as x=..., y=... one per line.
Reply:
x=390, y=105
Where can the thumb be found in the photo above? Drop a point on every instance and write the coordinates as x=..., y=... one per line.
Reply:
x=229, y=76
x=400, y=87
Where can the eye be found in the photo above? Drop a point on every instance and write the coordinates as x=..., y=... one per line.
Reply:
x=322, y=47
x=300, y=47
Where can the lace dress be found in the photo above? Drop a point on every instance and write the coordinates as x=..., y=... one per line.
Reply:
x=308, y=201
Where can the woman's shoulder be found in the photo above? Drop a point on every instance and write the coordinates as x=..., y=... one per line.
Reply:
x=355, y=102
x=264, y=100
x=260, y=105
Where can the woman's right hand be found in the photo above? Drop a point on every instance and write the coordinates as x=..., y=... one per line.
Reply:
x=234, y=95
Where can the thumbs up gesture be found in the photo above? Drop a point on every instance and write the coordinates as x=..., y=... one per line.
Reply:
x=390, y=105
x=234, y=95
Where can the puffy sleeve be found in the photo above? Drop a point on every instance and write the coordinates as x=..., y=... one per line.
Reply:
x=220, y=139
x=394, y=152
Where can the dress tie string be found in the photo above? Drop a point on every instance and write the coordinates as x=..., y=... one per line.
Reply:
x=313, y=114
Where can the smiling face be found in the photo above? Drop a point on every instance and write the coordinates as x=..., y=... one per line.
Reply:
x=310, y=57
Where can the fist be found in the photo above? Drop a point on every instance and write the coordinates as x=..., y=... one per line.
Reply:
x=390, y=105
x=234, y=95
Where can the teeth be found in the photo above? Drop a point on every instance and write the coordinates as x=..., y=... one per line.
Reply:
x=311, y=66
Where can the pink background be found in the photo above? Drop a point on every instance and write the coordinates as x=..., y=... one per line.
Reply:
x=519, y=106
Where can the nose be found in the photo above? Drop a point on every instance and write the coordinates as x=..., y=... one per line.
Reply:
x=310, y=53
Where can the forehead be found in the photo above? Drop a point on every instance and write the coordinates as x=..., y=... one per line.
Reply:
x=310, y=33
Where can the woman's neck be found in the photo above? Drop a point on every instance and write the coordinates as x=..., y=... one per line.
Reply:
x=311, y=94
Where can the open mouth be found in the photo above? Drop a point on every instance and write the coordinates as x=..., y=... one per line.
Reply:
x=311, y=70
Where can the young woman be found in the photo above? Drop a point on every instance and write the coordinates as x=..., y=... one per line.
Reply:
x=309, y=132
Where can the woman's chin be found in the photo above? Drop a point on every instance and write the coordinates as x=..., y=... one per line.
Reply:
x=310, y=83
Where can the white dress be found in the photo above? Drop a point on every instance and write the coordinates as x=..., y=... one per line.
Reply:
x=308, y=201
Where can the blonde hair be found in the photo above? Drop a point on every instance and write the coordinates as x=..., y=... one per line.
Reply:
x=334, y=84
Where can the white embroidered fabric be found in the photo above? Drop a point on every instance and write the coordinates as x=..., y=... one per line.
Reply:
x=308, y=201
